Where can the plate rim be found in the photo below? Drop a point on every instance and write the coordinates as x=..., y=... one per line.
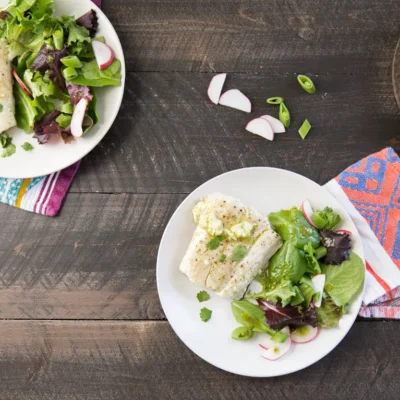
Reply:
x=216, y=364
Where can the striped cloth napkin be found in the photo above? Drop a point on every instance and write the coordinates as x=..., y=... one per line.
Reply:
x=42, y=195
x=369, y=190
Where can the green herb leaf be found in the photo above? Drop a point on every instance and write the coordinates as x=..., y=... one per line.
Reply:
x=205, y=314
x=27, y=146
x=214, y=242
x=222, y=258
x=5, y=140
x=284, y=115
x=242, y=333
x=9, y=150
x=275, y=100
x=306, y=83
x=239, y=252
x=203, y=296
x=304, y=129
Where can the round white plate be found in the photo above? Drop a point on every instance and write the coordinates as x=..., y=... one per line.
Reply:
x=52, y=157
x=266, y=189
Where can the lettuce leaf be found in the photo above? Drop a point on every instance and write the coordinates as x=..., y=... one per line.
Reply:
x=337, y=246
x=283, y=293
x=326, y=219
x=345, y=280
x=329, y=314
x=25, y=112
x=307, y=291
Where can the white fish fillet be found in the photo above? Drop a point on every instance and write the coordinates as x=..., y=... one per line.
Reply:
x=204, y=267
x=7, y=115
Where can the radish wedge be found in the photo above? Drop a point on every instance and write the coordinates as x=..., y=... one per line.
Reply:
x=215, y=87
x=274, y=350
x=308, y=211
x=235, y=99
x=318, y=282
x=345, y=231
x=304, y=334
x=260, y=127
x=21, y=83
x=103, y=53
x=78, y=117
x=276, y=125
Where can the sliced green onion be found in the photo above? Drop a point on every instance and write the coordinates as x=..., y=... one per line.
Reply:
x=70, y=73
x=72, y=61
x=275, y=100
x=284, y=115
x=67, y=108
x=58, y=38
x=306, y=83
x=304, y=129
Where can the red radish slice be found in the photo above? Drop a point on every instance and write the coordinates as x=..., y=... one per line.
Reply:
x=268, y=343
x=215, y=87
x=260, y=127
x=78, y=117
x=304, y=334
x=235, y=99
x=308, y=211
x=103, y=53
x=276, y=125
x=274, y=350
x=21, y=83
x=318, y=282
x=345, y=231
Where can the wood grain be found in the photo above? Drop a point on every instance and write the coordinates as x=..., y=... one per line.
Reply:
x=348, y=36
x=95, y=261
x=169, y=138
x=145, y=360
x=396, y=73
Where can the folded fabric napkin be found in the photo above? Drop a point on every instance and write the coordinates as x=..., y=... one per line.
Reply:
x=42, y=195
x=369, y=190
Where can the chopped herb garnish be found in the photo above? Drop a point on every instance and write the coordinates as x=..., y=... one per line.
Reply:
x=5, y=140
x=205, y=314
x=9, y=150
x=304, y=129
x=275, y=100
x=27, y=146
x=214, y=242
x=284, y=115
x=222, y=258
x=239, y=252
x=203, y=296
x=306, y=83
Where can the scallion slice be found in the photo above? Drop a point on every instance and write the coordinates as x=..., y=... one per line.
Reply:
x=306, y=83
x=284, y=115
x=275, y=100
x=304, y=129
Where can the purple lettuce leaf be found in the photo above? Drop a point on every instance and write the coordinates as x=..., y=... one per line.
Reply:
x=278, y=317
x=41, y=62
x=49, y=126
x=77, y=93
x=89, y=21
x=337, y=246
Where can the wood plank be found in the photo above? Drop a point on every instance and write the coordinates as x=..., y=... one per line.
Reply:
x=146, y=360
x=96, y=260
x=168, y=137
x=348, y=36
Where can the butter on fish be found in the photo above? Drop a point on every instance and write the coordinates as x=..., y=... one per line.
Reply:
x=7, y=114
x=229, y=223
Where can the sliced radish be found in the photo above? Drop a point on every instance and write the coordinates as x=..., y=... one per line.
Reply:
x=215, y=87
x=260, y=127
x=78, y=117
x=318, y=282
x=276, y=125
x=21, y=83
x=103, y=53
x=345, y=231
x=308, y=211
x=274, y=350
x=304, y=334
x=235, y=99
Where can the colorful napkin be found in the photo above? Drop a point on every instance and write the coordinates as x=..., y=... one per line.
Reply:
x=42, y=195
x=369, y=190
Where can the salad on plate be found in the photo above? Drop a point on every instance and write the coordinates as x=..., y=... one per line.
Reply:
x=287, y=275
x=51, y=67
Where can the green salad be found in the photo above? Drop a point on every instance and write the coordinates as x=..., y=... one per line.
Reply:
x=57, y=62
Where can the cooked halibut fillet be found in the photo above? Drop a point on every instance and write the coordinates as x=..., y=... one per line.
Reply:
x=7, y=115
x=242, y=242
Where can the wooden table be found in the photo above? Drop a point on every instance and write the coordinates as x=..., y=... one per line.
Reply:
x=80, y=314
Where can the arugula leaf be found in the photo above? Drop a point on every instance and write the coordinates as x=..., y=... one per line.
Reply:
x=239, y=252
x=242, y=333
x=214, y=242
x=9, y=150
x=27, y=146
x=326, y=219
x=329, y=314
x=205, y=314
x=222, y=258
x=203, y=296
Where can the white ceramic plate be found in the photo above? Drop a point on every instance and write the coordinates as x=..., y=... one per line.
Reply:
x=266, y=189
x=51, y=157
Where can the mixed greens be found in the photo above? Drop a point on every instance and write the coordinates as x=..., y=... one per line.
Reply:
x=57, y=62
